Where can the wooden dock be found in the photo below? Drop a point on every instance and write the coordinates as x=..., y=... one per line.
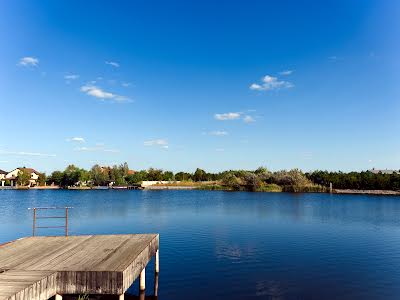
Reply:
x=37, y=268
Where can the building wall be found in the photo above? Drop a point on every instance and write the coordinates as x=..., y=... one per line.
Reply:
x=150, y=183
x=13, y=173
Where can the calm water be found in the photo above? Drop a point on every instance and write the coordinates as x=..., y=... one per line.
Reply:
x=222, y=245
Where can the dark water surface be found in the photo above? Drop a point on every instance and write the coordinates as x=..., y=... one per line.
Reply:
x=222, y=245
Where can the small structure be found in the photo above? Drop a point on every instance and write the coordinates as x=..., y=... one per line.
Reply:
x=37, y=268
x=13, y=175
x=147, y=183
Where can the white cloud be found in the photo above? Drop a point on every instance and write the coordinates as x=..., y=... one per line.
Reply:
x=227, y=116
x=23, y=153
x=97, y=92
x=157, y=142
x=334, y=58
x=232, y=116
x=269, y=83
x=111, y=150
x=95, y=149
x=220, y=150
x=70, y=77
x=28, y=61
x=76, y=139
x=285, y=73
x=248, y=119
x=126, y=84
x=112, y=63
x=219, y=133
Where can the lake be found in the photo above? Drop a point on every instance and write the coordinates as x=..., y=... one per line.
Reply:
x=239, y=245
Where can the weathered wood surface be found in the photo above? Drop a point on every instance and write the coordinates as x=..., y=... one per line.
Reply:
x=94, y=264
x=26, y=285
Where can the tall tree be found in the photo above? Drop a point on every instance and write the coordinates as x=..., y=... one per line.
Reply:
x=23, y=177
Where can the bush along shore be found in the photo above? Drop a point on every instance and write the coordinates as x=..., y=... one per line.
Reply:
x=259, y=180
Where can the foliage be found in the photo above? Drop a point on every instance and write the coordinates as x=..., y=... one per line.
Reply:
x=357, y=180
x=260, y=179
x=232, y=182
x=55, y=178
x=23, y=177
x=42, y=178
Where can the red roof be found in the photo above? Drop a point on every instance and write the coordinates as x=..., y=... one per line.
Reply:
x=30, y=170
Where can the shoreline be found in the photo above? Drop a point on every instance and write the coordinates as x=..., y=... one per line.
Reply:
x=197, y=187
x=366, y=192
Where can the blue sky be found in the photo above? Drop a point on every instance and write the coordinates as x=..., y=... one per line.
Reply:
x=217, y=85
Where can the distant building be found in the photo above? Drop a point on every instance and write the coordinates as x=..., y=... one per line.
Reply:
x=3, y=174
x=13, y=175
x=385, y=171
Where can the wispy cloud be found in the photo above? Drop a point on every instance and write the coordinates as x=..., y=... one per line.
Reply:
x=286, y=73
x=163, y=143
x=112, y=63
x=97, y=92
x=76, y=139
x=126, y=84
x=28, y=61
x=70, y=77
x=269, y=83
x=234, y=116
x=248, y=119
x=334, y=58
x=227, y=116
x=307, y=155
x=23, y=153
x=219, y=133
x=220, y=150
x=96, y=149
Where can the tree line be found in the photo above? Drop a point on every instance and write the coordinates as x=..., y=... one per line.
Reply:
x=260, y=179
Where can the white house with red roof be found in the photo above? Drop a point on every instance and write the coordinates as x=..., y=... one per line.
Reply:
x=13, y=175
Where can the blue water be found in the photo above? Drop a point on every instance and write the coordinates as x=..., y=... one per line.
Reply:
x=238, y=245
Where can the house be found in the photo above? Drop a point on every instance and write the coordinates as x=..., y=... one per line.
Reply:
x=13, y=175
x=2, y=176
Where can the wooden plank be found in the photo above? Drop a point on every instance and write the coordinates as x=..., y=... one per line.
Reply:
x=30, y=285
x=95, y=264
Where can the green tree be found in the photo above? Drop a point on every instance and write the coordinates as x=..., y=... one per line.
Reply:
x=200, y=175
x=168, y=176
x=23, y=177
x=183, y=176
x=55, y=178
x=231, y=181
x=155, y=174
x=99, y=175
x=71, y=176
x=42, y=178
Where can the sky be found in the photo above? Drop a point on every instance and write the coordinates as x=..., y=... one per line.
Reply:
x=213, y=84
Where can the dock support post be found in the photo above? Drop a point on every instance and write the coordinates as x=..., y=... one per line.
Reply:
x=143, y=279
x=58, y=297
x=142, y=295
x=156, y=285
x=121, y=297
x=157, y=260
